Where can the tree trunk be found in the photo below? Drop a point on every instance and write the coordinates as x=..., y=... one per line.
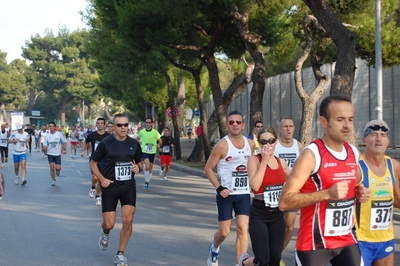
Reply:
x=107, y=111
x=214, y=79
x=258, y=77
x=345, y=41
x=63, y=109
x=171, y=101
x=237, y=87
x=309, y=102
x=180, y=104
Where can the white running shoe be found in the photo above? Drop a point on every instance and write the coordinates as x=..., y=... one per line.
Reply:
x=53, y=183
x=92, y=192
x=16, y=180
x=24, y=181
x=120, y=260
x=98, y=201
x=165, y=178
x=161, y=172
x=103, y=241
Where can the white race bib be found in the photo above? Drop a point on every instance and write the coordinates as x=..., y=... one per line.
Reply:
x=338, y=217
x=240, y=183
x=381, y=214
x=166, y=149
x=149, y=147
x=123, y=171
x=272, y=195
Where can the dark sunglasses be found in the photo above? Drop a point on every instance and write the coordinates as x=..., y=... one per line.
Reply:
x=266, y=141
x=258, y=126
x=231, y=122
x=120, y=125
x=379, y=128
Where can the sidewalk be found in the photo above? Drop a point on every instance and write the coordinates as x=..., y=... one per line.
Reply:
x=186, y=149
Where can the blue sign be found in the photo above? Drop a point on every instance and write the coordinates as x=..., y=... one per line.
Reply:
x=197, y=112
x=78, y=119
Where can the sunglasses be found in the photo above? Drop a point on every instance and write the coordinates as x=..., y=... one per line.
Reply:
x=231, y=122
x=148, y=122
x=258, y=126
x=120, y=125
x=378, y=128
x=267, y=141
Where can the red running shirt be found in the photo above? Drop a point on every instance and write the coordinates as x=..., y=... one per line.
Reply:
x=328, y=224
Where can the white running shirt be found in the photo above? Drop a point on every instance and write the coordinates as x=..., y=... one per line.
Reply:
x=232, y=170
x=288, y=154
x=54, y=143
x=20, y=146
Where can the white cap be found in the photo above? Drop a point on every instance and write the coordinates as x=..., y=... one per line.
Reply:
x=19, y=126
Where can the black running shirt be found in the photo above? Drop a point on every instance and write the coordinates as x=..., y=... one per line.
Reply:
x=115, y=157
x=94, y=138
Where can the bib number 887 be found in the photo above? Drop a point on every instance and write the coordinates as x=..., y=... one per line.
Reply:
x=342, y=217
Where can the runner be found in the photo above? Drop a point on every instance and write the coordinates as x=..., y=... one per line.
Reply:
x=267, y=174
x=94, y=139
x=4, y=135
x=121, y=159
x=166, y=153
x=322, y=185
x=230, y=156
x=374, y=218
x=29, y=130
x=149, y=138
x=288, y=148
x=54, y=145
x=258, y=125
x=37, y=138
x=42, y=134
x=20, y=139
x=73, y=134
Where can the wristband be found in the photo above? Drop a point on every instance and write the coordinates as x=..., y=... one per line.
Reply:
x=220, y=188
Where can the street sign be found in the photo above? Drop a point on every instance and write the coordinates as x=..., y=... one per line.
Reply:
x=197, y=113
x=169, y=113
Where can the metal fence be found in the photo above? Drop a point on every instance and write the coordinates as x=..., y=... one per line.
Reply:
x=281, y=99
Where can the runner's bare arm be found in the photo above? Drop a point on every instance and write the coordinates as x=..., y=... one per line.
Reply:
x=291, y=198
x=217, y=153
x=396, y=186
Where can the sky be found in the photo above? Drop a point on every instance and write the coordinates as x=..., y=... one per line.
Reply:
x=21, y=19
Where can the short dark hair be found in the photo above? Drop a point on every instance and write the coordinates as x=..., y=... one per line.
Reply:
x=52, y=123
x=167, y=128
x=101, y=119
x=235, y=113
x=323, y=107
x=149, y=117
x=255, y=124
x=120, y=115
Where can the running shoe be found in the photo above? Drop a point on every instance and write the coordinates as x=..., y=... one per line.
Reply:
x=16, y=180
x=3, y=165
x=212, y=257
x=120, y=260
x=98, y=201
x=103, y=241
x=165, y=178
x=53, y=183
x=57, y=172
x=24, y=181
x=146, y=187
x=161, y=172
x=242, y=258
x=92, y=192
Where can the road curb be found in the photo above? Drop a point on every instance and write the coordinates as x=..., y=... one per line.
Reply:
x=184, y=168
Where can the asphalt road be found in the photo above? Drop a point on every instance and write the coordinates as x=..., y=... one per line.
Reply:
x=173, y=225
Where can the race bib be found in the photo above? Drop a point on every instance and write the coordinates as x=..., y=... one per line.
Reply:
x=166, y=149
x=149, y=147
x=53, y=145
x=272, y=195
x=22, y=144
x=338, y=217
x=239, y=183
x=123, y=171
x=3, y=141
x=381, y=214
